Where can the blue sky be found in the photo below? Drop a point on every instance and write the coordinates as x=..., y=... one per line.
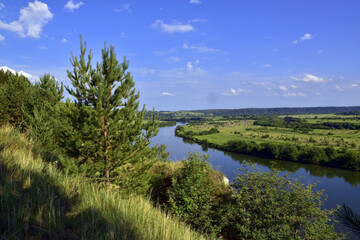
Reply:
x=198, y=54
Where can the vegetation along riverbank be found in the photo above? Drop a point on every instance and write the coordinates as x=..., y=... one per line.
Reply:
x=328, y=140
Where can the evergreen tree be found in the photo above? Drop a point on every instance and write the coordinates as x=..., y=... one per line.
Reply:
x=41, y=113
x=107, y=108
x=15, y=92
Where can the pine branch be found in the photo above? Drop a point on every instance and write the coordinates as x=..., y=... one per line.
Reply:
x=349, y=218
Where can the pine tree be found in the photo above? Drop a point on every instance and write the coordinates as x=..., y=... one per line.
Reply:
x=107, y=107
x=41, y=113
x=15, y=92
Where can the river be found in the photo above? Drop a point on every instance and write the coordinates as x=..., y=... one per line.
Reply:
x=341, y=186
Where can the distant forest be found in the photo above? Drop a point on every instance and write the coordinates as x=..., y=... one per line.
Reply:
x=354, y=110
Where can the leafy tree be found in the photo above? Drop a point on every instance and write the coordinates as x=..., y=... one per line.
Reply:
x=267, y=206
x=111, y=136
x=194, y=195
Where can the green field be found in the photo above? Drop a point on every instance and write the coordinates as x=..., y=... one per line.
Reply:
x=328, y=140
x=245, y=130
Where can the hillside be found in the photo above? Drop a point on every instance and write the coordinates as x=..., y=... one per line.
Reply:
x=37, y=201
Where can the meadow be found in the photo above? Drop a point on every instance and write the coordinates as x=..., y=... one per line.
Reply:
x=316, y=134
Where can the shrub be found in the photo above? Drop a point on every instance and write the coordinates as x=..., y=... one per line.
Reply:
x=267, y=206
x=195, y=194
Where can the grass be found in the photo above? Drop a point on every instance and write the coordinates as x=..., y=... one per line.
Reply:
x=37, y=201
x=245, y=130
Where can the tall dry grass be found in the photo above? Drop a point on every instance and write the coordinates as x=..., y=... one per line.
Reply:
x=37, y=201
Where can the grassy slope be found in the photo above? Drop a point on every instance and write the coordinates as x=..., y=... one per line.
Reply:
x=37, y=201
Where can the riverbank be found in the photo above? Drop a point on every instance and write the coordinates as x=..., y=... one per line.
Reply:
x=325, y=147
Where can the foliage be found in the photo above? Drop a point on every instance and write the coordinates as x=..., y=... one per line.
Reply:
x=279, y=143
x=15, y=93
x=194, y=195
x=41, y=114
x=268, y=206
x=37, y=201
x=107, y=120
x=349, y=218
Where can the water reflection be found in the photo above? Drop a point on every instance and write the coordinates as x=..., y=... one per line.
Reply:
x=351, y=177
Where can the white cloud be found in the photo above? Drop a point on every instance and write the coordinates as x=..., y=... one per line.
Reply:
x=43, y=47
x=309, y=78
x=354, y=85
x=298, y=94
x=31, y=21
x=283, y=88
x=124, y=8
x=306, y=36
x=174, y=27
x=71, y=6
x=167, y=94
x=189, y=66
x=195, y=1
x=175, y=59
x=294, y=86
x=2, y=38
x=144, y=71
x=25, y=74
x=2, y=6
x=233, y=92
x=198, y=20
x=337, y=87
x=267, y=66
x=200, y=49
x=64, y=40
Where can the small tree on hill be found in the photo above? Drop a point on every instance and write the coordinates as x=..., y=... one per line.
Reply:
x=107, y=106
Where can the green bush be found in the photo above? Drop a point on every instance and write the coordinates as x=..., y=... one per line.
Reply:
x=267, y=206
x=195, y=194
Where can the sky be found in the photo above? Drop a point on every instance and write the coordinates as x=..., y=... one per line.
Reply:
x=198, y=54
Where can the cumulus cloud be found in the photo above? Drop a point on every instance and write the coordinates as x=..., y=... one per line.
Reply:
x=306, y=36
x=31, y=21
x=175, y=59
x=354, y=85
x=167, y=94
x=294, y=86
x=71, y=6
x=283, y=88
x=25, y=74
x=64, y=40
x=173, y=27
x=189, y=66
x=309, y=78
x=2, y=38
x=195, y=1
x=2, y=6
x=200, y=49
x=233, y=92
x=337, y=87
x=298, y=94
x=124, y=8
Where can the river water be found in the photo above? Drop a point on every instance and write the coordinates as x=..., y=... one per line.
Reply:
x=341, y=186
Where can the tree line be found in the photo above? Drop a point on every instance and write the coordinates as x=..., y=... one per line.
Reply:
x=328, y=156
x=301, y=124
